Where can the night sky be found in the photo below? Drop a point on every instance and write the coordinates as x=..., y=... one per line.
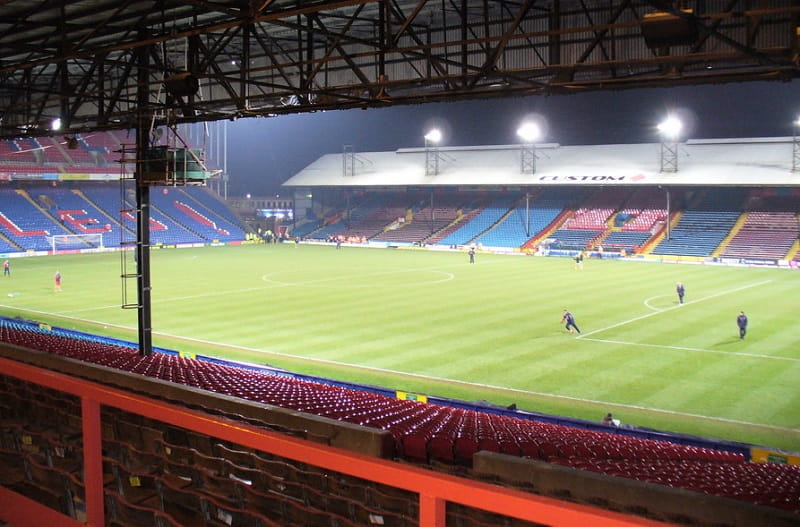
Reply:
x=265, y=152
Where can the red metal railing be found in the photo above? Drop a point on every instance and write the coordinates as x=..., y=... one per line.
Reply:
x=434, y=489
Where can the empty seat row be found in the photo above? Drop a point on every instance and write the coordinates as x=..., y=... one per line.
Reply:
x=422, y=432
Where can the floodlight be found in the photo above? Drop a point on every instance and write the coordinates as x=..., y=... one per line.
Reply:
x=529, y=132
x=55, y=124
x=670, y=127
x=434, y=136
x=670, y=130
x=432, y=152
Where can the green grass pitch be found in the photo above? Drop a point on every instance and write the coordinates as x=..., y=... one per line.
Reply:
x=430, y=322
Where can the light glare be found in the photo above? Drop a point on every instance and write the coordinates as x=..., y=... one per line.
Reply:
x=670, y=127
x=434, y=136
x=529, y=132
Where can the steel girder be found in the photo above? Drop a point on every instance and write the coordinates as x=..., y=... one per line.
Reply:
x=77, y=60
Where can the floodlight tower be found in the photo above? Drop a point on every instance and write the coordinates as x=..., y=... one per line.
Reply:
x=795, y=146
x=432, y=139
x=670, y=130
x=529, y=133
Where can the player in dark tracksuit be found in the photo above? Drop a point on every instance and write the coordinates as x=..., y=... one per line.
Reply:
x=741, y=321
x=570, y=321
x=681, y=291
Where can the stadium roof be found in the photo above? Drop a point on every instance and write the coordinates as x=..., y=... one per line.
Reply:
x=101, y=64
x=720, y=162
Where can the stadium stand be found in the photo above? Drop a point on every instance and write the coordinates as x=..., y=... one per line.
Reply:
x=325, y=232
x=25, y=225
x=368, y=218
x=425, y=221
x=35, y=147
x=466, y=217
x=304, y=229
x=422, y=432
x=81, y=155
x=775, y=213
x=106, y=197
x=511, y=231
x=76, y=214
x=12, y=153
x=484, y=220
x=764, y=235
x=210, y=203
x=207, y=225
x=575, y=239
x=97, y=153
x=589, y=222
x=705, y=223
x=698, y=233
x=527, y=219
x=338, y=218
x=29, y=212
x=106, y=145
x=51, y=152
x=614, y=218
x=5, y=246
x=627, y=240
x=641, y=216
x=595, y=212
x=163, y=230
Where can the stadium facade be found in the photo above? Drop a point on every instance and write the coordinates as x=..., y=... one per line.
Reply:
x=731, y=201
x=757, y=162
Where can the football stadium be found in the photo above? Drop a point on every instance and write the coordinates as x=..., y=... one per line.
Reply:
x=446, y=336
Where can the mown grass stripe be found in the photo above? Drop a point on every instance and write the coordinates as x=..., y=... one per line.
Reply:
x=431, y=322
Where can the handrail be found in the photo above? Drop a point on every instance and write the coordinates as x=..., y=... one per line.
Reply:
x=434, y=489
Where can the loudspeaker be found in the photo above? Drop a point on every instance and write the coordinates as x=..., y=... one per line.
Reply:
x=182, y=84
x=665, y=29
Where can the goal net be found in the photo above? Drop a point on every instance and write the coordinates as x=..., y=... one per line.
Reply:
x=64, y=242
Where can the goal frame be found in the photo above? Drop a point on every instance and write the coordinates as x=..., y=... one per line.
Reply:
x=96, y=238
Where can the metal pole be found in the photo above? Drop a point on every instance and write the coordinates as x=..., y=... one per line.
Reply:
x=143, y=212
x=669, y=220
x=143, y=262
x=432, y=218
x=527, y=213
x=225, y=158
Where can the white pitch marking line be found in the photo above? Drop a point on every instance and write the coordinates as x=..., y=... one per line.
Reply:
x=447, y=277
x=647, y=315
x=647, y=303
x=444, y=380
x=268, y=285
x=701, y=350
x=482, y=385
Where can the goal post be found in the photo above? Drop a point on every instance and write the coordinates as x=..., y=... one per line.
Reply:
x=63, y=242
